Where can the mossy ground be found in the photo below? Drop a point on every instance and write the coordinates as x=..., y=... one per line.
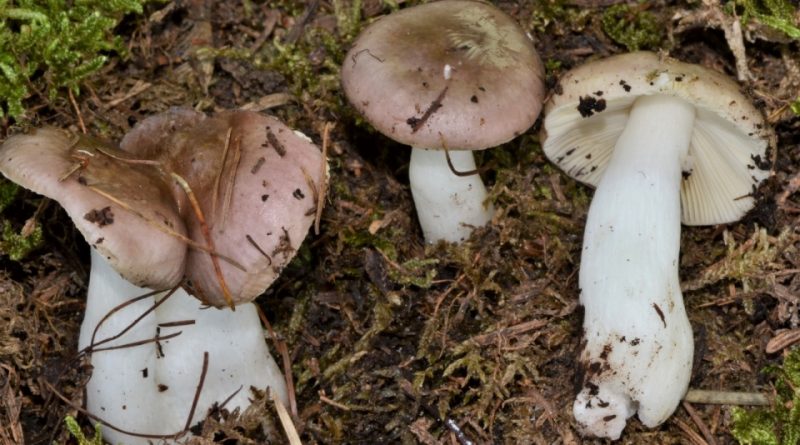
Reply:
x=388, y=337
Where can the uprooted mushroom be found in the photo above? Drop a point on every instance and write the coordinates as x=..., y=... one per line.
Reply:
x=218, y=205
x=664, y=142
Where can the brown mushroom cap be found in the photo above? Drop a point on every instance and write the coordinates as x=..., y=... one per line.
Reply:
x=454, y=72
x=729, y=145
x=122, y=209
x=265, y=183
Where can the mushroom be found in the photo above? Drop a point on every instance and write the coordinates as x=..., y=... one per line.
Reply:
x=446, y=78
x=664, y=142
x=256, y=184
x=152, y=356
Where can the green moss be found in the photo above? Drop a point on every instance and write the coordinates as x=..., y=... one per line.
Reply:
x=545, y=13
x=75, y=431
x=418, y=272
x=795, y=107
x=52, y=45
x=632, y=27
x=779, y=424
x=8, y=191
x=16, y=245
x=777, y=14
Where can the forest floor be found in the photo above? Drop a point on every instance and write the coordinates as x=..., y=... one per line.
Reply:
x=390, y=339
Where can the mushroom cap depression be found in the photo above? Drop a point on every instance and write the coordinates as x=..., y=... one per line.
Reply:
x=451, y=74
x=122, y=209
x=729, y=148
x=256, y=181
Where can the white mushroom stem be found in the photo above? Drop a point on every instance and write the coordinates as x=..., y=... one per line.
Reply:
x=448, y=206
x=638, y=341
x=149, y=388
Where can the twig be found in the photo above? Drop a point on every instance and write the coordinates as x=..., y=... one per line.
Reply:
x=286, y=422
x=725, y=397
x=700, y=424
x=693, y=436
x=325, y=399
x=226, y=294
x=119, y=307
x=197, y=392
x=105, y=423
x=155, y=339
x=323, y=189
x=218, y=179
x=283, y=350
x=77, y=110
x=190, y=242
x=237, y=158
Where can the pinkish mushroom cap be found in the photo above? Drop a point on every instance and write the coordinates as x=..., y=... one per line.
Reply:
x=122, y=209
x=454, y=73
x=256, y=181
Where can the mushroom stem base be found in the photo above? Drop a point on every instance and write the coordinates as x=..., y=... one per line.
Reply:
x=149, y=388
x=448, y=206
x=638, y=341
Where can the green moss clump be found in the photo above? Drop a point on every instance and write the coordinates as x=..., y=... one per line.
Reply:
x=777, y=14
x=75, y=431
x=779, y=424
x=632, y=27
x=17, y=245
x=49, y=45
x=8, y=191
x=795, y=107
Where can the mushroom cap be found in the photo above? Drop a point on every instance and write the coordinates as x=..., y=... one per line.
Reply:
x=128, y=226
x=729, y=148
x=452, y=74
x=265, y=194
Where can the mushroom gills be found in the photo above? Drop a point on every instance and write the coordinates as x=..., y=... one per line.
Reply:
x=638, y=340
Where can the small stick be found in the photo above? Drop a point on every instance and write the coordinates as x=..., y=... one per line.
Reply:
x=700, y=424
x=693, y=436
x=218, y=179
x=260, y=250
x=331, y=402
x=237, y=158
x=197, y=392
x=725, y=397
x=286, y=422
x=105, y=423
x=155, y=339
x=280, y=345
x=128, y=160
x=452, y=167
x=207, y=235
x=167, y=230
x=93, y=344
x=77, y=110
x=323, y=189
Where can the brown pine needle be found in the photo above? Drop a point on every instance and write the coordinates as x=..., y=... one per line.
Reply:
x=165, y=229
x=203, y=373
x=286, y=422
x=323, y=188
x=237, y=157
x=283, y=350
x=226, y=293
x=218, y=179
x=77, y=110
x=128, y=160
